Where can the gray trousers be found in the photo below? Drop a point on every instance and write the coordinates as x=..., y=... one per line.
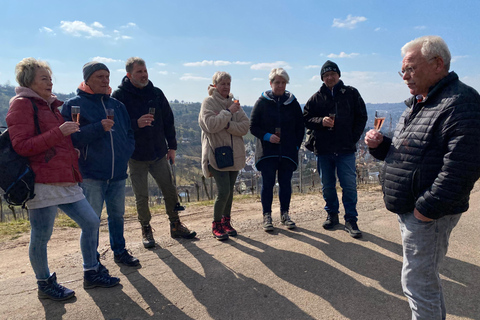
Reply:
x=425, y=245
x=160, y=171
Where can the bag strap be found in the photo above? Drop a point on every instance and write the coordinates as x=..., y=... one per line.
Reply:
x=35, y=116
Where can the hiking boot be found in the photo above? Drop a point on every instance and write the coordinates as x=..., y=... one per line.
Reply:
x=50, y=289
x=147, y=236
x=332, y=221
x=285, y=219
x=126, y=258
x=267, y=221
x=227, y=226
x=352, y=228
x=99, y=278
x=218, y=232
x=178, y=207
x=179, y=230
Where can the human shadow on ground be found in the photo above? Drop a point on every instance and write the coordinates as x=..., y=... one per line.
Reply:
x=227, y=294
x=461, y=288
x=55, y=310
x=348, y=296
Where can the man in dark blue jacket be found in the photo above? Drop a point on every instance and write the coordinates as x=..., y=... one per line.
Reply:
x=431, y=166
x=337, y=114
x=105, y=146
x=155, y=145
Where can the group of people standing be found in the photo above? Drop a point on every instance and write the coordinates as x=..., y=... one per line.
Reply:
x=430, y=164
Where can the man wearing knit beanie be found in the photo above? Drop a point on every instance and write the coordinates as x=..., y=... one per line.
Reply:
x=337, y=115
x=105, y=146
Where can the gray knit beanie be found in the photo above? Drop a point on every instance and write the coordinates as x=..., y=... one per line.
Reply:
x=329, y=66
x=90, y=67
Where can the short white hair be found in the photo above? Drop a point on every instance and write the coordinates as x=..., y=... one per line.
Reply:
x=278, y=72
x=430, y=47
x=219, y=76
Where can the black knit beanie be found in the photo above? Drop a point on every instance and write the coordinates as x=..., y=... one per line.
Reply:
x=90, y=67
x=329, y=66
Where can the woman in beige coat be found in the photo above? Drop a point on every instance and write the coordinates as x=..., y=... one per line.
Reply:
x=223, y=123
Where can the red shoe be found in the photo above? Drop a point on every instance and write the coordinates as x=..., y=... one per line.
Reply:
x=227, y=227
x=218, y=232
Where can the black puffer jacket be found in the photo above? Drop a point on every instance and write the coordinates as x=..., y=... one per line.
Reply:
x=434, y=158
x=350, y=118
x=272, y=112
x=151, y=142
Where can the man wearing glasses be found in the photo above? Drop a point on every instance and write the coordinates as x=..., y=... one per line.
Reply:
x=431, y=165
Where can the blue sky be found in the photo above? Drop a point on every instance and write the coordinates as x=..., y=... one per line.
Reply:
x=185, y=42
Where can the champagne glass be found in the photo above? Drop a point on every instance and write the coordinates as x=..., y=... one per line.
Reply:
x=151, y=111
x=331, y=115
x=236, y=99
x=380, y=116
x=278, y=132
x=110, y=115
x=76, y=114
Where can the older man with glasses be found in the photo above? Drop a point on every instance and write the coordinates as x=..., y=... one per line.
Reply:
x=431, y=166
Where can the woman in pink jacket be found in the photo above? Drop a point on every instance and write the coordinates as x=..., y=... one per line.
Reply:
x=55, y=164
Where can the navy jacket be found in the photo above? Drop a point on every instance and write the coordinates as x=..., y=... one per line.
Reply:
x=151, y=142
x=104, y=154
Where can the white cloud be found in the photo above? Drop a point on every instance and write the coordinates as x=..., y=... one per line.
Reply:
x=349, y=23
x=120, y=70
x=420, y=27
x=342, y=55
x=80, y=28
x=161, y=64
x=316, y=78
x=47, y=31
x=105, y=60
x=258, y=79
x=270, y=65
x=218, y=63
x=456, y=58
x=191, y=77
x=129, y=25
x=163, y=72
x=97, y=25
x=313, y=66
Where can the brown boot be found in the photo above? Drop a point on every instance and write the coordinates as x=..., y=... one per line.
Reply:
x=179, y=230
x=147, y=235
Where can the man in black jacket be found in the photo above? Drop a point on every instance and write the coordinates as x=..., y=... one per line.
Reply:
x=337, y=114
x=431, y=166
x=155, y=145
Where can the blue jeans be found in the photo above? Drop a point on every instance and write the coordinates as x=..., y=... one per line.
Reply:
x=225, y=181
x=270, y=168
x=41, y=222
x=342, y=166
x=112, y=193
x=425, y=245
x=160, y=171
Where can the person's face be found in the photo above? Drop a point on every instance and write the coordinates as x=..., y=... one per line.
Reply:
x=138, y=76
x=223, y=87
x=330, y=79
x=99, y=81
x=278, y=85
x=42, y=83
x=419, y=74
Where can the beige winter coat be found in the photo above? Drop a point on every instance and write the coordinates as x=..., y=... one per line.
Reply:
x=213, y=120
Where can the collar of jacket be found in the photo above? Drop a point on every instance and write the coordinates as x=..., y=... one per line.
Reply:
x=127, y=85
x=269, y=96
x=339, y=87
x=435, y=89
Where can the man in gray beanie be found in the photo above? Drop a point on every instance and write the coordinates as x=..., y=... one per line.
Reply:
x=105, y=146
x=337, y=115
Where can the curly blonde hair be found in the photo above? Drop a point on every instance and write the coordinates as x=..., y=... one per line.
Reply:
x=26, y=69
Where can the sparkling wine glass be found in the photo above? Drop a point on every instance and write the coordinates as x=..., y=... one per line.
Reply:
x=110, y=115
x=380, y=116
x=151, y=111
x=331, y=115
x=76, y=114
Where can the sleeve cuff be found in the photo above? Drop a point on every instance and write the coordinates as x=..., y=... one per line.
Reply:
x=267, y=136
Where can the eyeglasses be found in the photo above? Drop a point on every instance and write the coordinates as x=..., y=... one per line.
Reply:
x=411, y=70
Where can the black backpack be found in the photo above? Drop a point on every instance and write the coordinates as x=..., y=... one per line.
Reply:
x=16, y=177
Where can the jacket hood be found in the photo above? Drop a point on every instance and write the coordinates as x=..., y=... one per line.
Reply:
x=269, y=96
x=86, y=88
x=24, y=92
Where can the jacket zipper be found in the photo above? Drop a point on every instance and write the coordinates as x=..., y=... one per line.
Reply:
x=111, y=143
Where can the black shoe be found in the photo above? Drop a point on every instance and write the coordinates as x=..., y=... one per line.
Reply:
x=50, y=289
x=332, y=221
x=179, y=230
x=147, y=236
x=285, y=219
x=126, y=259
x=352, y=228
x=99, y=278
x=178, y=207
x=267, y=222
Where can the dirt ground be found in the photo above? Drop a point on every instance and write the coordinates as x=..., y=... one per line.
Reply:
x=308, y=273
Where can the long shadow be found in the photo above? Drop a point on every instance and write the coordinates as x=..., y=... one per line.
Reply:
x=161, y=307
x=230, y=295
x=347, y=295
x=462, y=292
x=55, y=310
